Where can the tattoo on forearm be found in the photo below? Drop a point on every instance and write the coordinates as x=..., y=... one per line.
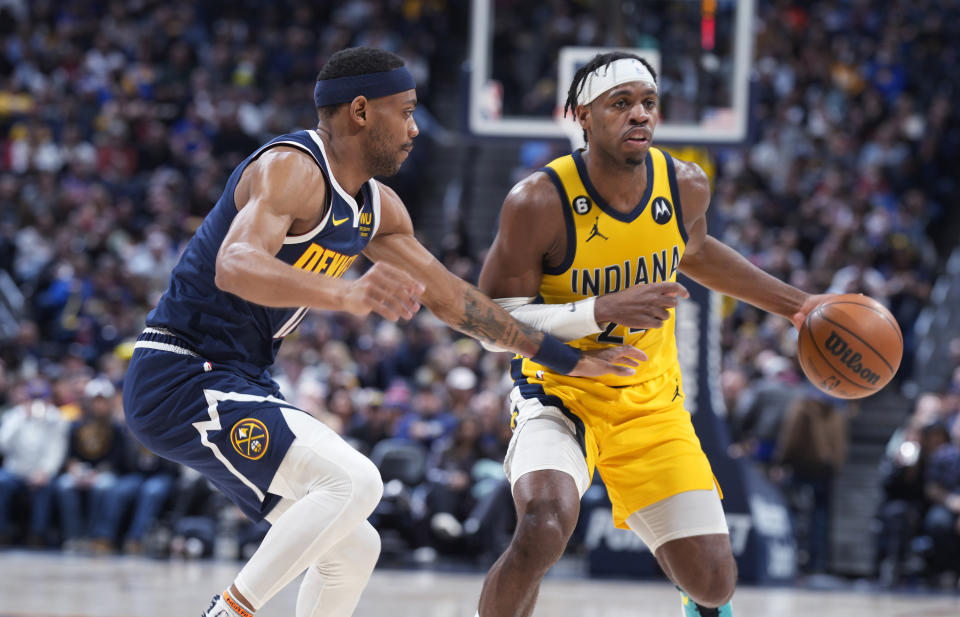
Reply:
x=483, y=319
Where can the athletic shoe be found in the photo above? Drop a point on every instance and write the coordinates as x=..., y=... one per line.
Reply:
x=692, y=609
x=225, y=606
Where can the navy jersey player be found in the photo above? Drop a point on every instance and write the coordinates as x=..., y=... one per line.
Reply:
x=292, y=219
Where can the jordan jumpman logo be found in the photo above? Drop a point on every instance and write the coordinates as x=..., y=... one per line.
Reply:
x=595, y=231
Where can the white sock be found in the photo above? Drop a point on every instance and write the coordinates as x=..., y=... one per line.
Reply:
x=231, y=605
x=332, y=587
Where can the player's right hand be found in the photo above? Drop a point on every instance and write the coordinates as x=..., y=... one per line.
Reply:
x=810, y=303
x=385, y=290
x=640, y=306
x=618, y=360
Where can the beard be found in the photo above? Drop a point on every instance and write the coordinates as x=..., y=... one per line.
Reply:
x=381, y=159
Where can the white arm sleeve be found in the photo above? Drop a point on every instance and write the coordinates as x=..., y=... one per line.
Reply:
x=566, y=322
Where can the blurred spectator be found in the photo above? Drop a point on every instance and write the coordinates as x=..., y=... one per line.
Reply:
x=762, y=406
x=33, y=444
x=449, y=500
x=376, y=420
x=810, y=450
x=5, y=386
x=95, y=457
x=68, y=389
x=193, y=521
x=143, y=490
x=928, y=409
x=427, y=421
x=491, y=410
x=153, y=260
x=461, y=385
x=904, y=505
x=942, y=521
x=950, y=412
x=297, y=365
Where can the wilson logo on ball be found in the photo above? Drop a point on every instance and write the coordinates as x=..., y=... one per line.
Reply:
x=839, y=347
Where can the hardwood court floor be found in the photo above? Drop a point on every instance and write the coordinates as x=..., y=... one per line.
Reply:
x=53, y=585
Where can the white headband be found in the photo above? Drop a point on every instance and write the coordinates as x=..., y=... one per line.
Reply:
x=610, y=75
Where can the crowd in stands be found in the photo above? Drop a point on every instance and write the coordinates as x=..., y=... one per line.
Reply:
x=844, y=190
x=114, y=145
x=918, y=520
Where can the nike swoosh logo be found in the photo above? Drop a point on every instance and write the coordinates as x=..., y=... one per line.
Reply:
x=338, y=221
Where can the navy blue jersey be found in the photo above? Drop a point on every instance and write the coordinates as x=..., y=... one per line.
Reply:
x=226, y=329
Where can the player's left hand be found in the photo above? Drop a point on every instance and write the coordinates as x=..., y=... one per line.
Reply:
x=808, y=305
x=620, y=361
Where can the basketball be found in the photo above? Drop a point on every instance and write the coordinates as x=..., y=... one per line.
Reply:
x=850, y=346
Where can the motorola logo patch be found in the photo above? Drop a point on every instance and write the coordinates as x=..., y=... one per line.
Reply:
x=581, y=204
x=662, y=210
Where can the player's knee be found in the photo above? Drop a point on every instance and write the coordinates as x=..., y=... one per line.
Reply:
x=713, y=593
x=712, y=586
x=703, y=566
x=353, y=480
x=366, y=487
x=543, y=531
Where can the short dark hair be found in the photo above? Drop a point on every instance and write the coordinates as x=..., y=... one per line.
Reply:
x=355, y=61
x=595, y=63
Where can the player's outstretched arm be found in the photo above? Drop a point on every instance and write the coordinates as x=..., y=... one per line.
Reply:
x=280, y=192
x=466, y=309
x=715, y=265
x=722, y=269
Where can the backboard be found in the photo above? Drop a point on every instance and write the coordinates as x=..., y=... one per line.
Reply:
x=701, y=49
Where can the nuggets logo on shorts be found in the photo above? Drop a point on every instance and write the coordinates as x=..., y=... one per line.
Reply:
x=250, y=438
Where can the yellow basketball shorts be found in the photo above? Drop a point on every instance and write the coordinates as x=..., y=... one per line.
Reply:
x=640, y=438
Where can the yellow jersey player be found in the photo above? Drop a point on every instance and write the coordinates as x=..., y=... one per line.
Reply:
x=588, y=249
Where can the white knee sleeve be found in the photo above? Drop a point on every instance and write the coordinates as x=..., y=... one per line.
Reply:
x=329, y=490
x=320, y=460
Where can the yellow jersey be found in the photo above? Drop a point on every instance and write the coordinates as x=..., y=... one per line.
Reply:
x=608, y=251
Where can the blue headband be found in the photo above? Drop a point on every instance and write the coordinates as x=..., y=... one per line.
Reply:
x=371, y=85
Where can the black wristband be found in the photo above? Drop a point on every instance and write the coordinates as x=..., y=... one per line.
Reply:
x=557, y=356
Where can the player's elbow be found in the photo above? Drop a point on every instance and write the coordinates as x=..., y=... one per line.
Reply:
x=223, y=277
x=692, y=265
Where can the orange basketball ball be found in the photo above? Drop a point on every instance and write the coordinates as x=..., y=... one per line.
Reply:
x=850, y=346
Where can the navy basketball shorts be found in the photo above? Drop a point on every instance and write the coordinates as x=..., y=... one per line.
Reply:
x=212, y=418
